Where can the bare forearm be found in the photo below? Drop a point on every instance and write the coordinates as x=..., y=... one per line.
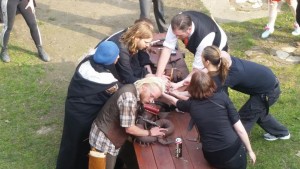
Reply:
x=243, y=135
x=136, y=131
x=163, y=60
x=170, y=98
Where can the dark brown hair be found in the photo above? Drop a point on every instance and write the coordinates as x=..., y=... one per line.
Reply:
x=201, y=86
x=181, y=22
x=213, y=55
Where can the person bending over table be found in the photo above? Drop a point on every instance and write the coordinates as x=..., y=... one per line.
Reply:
x=116, y=120
x=197, y=31
x=223, y=136
x=91, y=86
x=255, y=80
x=133, y=43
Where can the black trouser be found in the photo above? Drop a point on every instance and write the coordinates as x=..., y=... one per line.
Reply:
x=74, y=147
x=256, y=110
x=238, y=161
x=233, y=157
x=298, y=12
x=9, y=9
x=158, y=7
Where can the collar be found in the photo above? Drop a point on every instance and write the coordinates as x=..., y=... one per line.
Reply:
x=193, y=29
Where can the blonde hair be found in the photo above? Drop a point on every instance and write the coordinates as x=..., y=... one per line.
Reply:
x=151, y=82
x=213, y=54
x=141, y=30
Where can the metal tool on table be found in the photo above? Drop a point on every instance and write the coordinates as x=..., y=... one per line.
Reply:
x=149, y=121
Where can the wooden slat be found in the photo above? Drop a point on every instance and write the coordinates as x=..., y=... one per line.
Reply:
x=180, y=120
x=144, y=156
x=162, y=156
x=191, y=143
x=196, y=155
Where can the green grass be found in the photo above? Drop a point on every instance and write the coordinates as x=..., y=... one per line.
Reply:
x=243, y=36
x=26, y=106
x=30, y=102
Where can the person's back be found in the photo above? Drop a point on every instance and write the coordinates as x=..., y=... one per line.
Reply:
x=214, y=118
x=196, y=30
x=204, y=25
x=89, y=89
x=223, y=136
x=250, y=77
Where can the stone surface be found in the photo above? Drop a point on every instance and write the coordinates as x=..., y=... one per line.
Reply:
x=296, y=52
x=288, y=49
x=282, y=54
x=230, y=11
x=293, y=59
x=254, y=53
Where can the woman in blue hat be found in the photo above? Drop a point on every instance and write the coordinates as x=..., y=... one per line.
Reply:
x=91, y=86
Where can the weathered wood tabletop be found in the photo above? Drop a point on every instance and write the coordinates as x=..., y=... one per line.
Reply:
x=158, y=156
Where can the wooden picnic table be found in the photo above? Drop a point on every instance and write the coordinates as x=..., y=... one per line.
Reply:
x=158, y=156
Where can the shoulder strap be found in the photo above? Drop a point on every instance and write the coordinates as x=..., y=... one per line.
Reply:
x=217, y=104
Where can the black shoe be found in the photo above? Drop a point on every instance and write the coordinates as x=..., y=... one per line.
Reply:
x=4, y=55
x=42, y=54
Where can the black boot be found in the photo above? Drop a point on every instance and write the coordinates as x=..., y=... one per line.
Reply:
x=42, y=54
x=4, y=55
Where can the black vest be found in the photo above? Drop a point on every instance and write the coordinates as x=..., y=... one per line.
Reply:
x=108, y=119
x=203, y=26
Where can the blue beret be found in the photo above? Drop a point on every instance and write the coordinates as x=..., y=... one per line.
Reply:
x=106, y=53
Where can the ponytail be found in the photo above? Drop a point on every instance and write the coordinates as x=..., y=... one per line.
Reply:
x=213, y=55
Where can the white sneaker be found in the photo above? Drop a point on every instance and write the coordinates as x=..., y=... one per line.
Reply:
x=268, y=31
x=270, y=137
x=296, y=32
